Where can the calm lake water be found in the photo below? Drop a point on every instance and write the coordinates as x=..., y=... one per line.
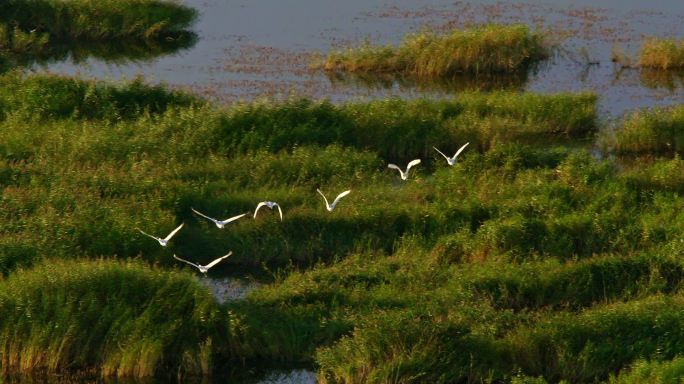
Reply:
x=248, y=49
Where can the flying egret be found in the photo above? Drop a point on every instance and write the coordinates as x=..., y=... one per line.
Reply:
x=163, y=242
x=203, y=268
x=219, y=223
x=404, y=175
x=452, y=160
x=334, y=203
x=269, y=204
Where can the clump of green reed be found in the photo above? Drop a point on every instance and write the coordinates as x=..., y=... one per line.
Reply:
x=662, y=54
x=122, y=319
x=656, y=371
x=485, y=49
x=400, y=130
x=447, y=345
x=96, y=21
x=658, y=130
x=52, y=96
x=407, y=345
x=590, y=345
x=17, y=41
x=657, y=176
x=575, y=285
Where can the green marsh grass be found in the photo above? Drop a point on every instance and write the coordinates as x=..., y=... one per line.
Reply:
x=85, y=152
x=662, y=54
x=40, y=31
x=651, y=131
x=54, y=97
x=485, y=49
x=116, y=318
x=656, y=371
x=86, y=20
x=524, y=260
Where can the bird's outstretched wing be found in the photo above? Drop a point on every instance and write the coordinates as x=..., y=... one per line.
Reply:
x=321, y=193
x=226, y=221
x=167, y=238
x=459, y=150
x=218, y=260
x=203, y=215
x=394, y=166
x=411, y=164
x=279, y=211
x=340, y=196
x=440, y=152
x=259, y=207
x=147, y=234
x=185, y=261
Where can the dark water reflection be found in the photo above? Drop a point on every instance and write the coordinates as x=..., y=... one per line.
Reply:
x=241, y=376
x=672, y=80
x=118, y=52
x=455, y=84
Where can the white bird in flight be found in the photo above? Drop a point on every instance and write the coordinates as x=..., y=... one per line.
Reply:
x=203, y=268
x=404, y=175
x=269, y=204
x=452, y=160
x=219, y=223
x=163, y=242
x=329, y=206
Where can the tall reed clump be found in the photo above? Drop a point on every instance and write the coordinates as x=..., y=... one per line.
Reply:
x=86, y=20
x=117, y=318
x=662, y=54
x=485, y=49
x=656, y=371
x=58, y=97
x=399, y=130
x=658, y=130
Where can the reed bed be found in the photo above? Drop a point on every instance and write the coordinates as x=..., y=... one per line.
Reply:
x=663, y=54
x=655, y=371
x=654, y=131
x=86, y=20
x=116, y=318
x=88, y=155
x=529, y=260
x=487, y=49
x=40, y=31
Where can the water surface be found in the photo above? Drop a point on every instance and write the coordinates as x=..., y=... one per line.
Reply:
x=248, y=49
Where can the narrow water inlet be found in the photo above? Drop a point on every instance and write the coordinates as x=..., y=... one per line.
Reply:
x=229, y=288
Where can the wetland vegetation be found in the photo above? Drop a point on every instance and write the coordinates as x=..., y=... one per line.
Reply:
x=528, y=257
x=534, y=259
x=41, y=31
x=662, y=54
x=486, y=49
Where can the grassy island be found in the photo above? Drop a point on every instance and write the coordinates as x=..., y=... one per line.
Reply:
x=487, y=49
x=662, y=54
